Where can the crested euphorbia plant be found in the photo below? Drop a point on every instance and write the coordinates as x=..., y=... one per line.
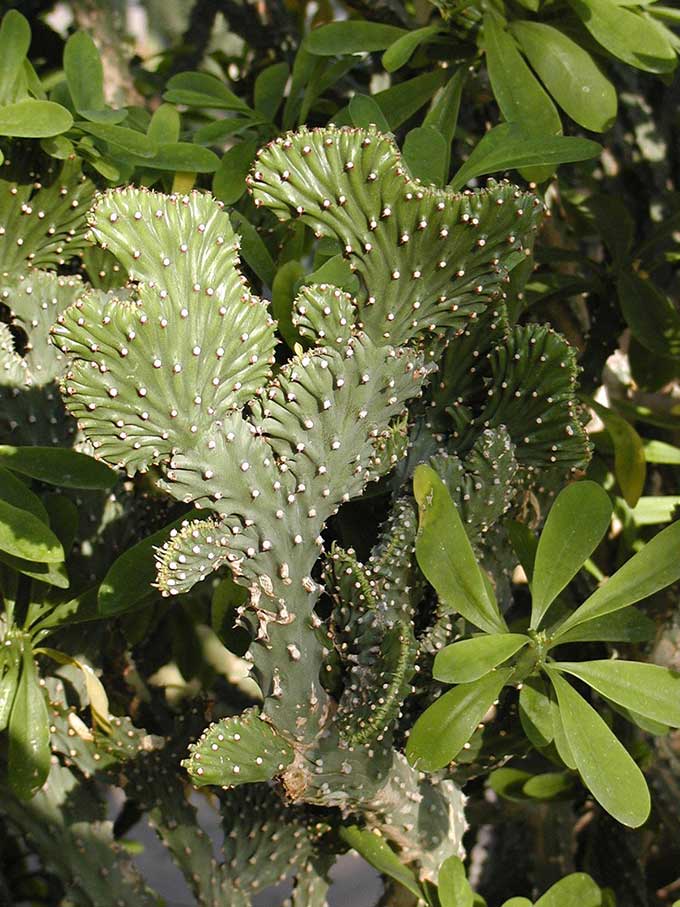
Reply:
x=534, y=654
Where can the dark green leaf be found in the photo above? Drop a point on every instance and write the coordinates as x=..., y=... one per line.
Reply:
x=509, y=147
x=401, y=101
x=426, y=153
x=337, y=271
x=10, y=666
x=269, y=87
x=364, y=112
x=229, y=182
x=569, y=73
x=446, y=557
x=129, y=140
x=626, y=34
x=536, y=711
x=650, y=315
x=14, y=491
x=15, y=39
x=576, y=524
x=129, y=579
x=26, y=536
x=283, y=293
x=164, y=125
x=253, y=250
x=376, y=851
x=606, y=767
x=29, y=733
x=549, y=786
x=656, y=566
x=470, y=659
x=183, y=157
x=84, y=73
x=443, y=114
x=199, y=89
x=520, y=96
x=650, y=690
x=628, y=625
x=352, y=37
x=509, y=783
x=401, y=50
x=58, y=466
x=34, y=119
x=445, y=727
x=453, y=887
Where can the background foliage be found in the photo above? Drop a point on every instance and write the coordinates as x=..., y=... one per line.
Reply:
x=448, y=582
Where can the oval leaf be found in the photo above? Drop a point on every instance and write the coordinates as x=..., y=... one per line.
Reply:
x=58, y=466
x=445, y=727
x=15, y=39
x=84, y=72
x=446, y=557
x=575, y=890
x=229, y=182
x=31, y=119
x=426, y=152
x=25, y=536
x=471, y=659
x=29, y=733
x=536, y=711
x=352, y=37
x=376, y=851
x=510, y=147
x=569, y=73
x=630, y=465
x=606, y=767
x=453, y=887
x=400, y=52
x=576, y=524
x=650, y=690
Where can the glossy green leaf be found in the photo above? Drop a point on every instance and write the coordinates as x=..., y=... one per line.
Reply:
x=253, y=250
x=576, y=524
x=364, y=112
x=656, y=566
x=650, y=314
x=470, y=659
x=269, y=87
x=10, y=666
x=401, y=50
x=403, y=100
x=510, y=147
x=508, y=782
x=630, y=465
x=446, y=557
x=352, y=37
x=183, y=157
x=29, y=733
x=283, y=293
x=649, y=689
x=536, y=711
x=560, y=739
x=52, y=573
x=26, y=536
x=575, y=890
x=164, y=125
x=606, y=767
x=453, y=887
x=654, y=509
x=128, y=140
x=569, y=73
x=14, y=491
x=376, y=851
x=130, y=578
x=58, y=466
x=34, y=119
x=84, y=73
x=445, y=727
x=229, y=182
x=15, y=39
x=426, y=154
x=628, y=625
x=549, y=786
x=199, y=89
x=626, y=34
x=520, y=96
x=443, y=114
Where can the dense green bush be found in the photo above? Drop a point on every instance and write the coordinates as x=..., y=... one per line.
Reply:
x=339, y=360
